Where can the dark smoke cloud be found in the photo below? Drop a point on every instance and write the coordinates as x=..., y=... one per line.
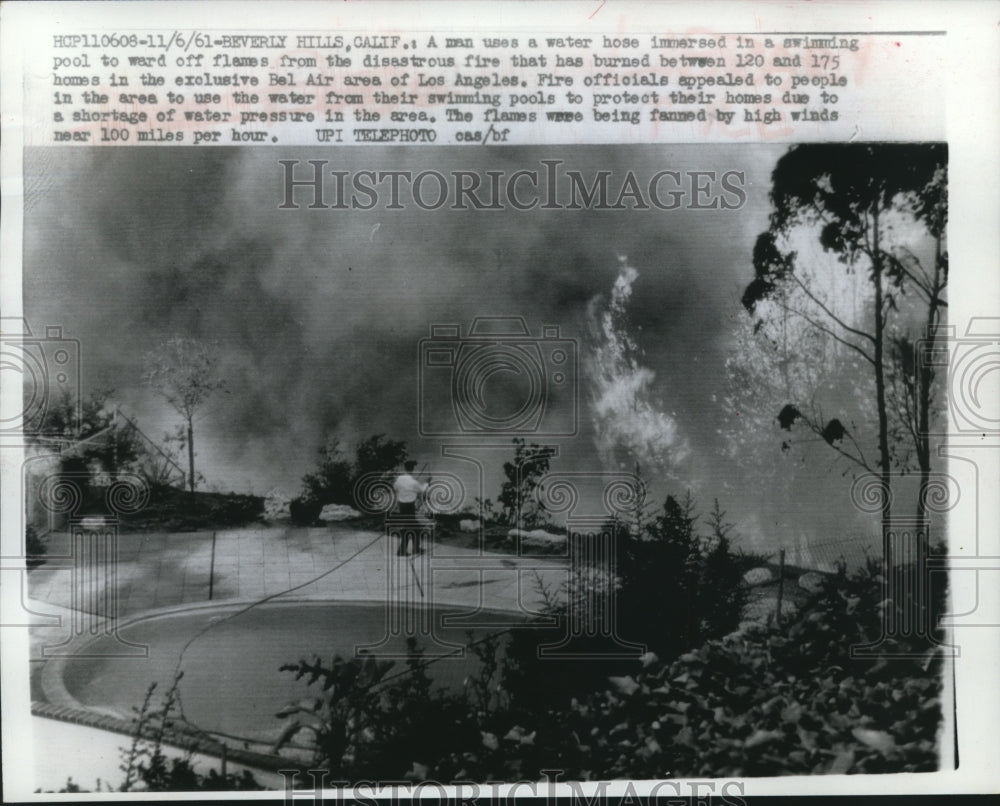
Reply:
x=317, y=313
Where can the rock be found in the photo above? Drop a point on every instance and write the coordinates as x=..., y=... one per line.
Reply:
x=276, y=504
x=811, y=581
x=758, y=576
x=537, y=537
x=467, y=525
x=877, y=739
x=517, y=734
x=761, y=736
x=338, y=512
x=626, y=685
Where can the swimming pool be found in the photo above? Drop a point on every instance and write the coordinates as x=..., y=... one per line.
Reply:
x=232, y=683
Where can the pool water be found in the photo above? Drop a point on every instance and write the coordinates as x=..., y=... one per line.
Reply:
x=232, y=683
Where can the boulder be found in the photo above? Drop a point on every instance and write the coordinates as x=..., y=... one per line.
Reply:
x=541, y=536
x=468, y=525
x=758, y=576
x=338, y=512
x=537, y=537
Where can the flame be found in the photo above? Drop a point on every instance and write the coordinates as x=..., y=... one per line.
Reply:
x=629, y=424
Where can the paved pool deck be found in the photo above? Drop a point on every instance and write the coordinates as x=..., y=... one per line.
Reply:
x=336, y=562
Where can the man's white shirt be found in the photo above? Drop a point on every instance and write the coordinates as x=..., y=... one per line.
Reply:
x=408, y=488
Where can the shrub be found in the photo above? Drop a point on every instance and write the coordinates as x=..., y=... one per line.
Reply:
x=680, y=585
x=304, y=511
x=147, y=767
x=675, y=588
x=760, y=701
x=518, y=493
x=335, y=476
x=70, y=786
x=367, y=723
x=171, y=509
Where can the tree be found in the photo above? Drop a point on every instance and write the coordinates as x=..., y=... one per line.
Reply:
x=376, y=454
x=90, y=431
x=773, y=360
x=184, y=372
x=677, y=584
x=912, y=389
x=872, y=207
x=94, y=444
x=333, y=480
x=521, y=506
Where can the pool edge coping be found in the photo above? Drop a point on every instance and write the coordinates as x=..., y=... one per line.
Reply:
x=52, y=674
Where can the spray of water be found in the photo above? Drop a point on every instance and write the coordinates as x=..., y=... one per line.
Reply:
x=630, y=426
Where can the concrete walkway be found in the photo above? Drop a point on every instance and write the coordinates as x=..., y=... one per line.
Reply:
x=91, y=758
x=158, y=570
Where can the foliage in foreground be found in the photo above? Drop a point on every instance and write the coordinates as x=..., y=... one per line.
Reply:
x=370, y=720
x=761, y=700
x=677, y=583
x=148, y=768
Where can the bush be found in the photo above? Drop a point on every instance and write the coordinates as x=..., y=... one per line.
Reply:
x=304, y=511
x=369, y=722
x=760, y=701
x=147, y=767
x=680, y=585
x=766, y=701
x=334, y=478
x=170, y=509
x=675, y=588
x=518, y=493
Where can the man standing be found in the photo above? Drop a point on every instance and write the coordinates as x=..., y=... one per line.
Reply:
x=408, y=490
